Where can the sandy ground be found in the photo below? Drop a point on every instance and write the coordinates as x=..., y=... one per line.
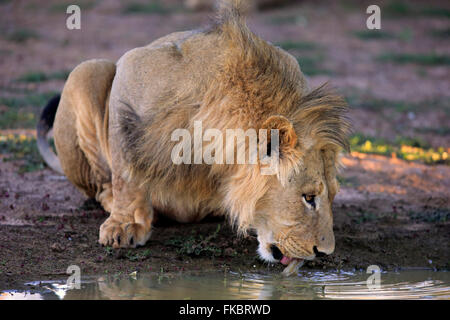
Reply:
x=390, y=212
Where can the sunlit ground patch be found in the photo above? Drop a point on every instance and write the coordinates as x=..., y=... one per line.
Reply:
x=406, y=149
x=22, y=148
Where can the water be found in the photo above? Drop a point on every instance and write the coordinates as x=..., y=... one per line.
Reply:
x=307, y=285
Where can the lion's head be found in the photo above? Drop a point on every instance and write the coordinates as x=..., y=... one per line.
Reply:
x=294, y=220
x=291, y=211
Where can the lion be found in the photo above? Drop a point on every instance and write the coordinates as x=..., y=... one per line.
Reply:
x=251, y=4
x=112, y=129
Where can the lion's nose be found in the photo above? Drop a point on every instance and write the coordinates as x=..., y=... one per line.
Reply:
x=318, y=253
x=324, y=246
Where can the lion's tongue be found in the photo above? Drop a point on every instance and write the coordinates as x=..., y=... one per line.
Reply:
x=286, y=260
x=292, y=268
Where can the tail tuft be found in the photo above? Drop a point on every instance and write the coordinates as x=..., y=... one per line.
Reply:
x=44, y=125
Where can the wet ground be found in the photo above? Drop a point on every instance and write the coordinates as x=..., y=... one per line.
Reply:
x=391, y=212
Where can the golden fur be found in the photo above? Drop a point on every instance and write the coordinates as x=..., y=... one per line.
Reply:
x=252, y=4
x=113, y=137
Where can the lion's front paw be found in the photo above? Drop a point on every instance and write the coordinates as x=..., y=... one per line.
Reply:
x=123, y=234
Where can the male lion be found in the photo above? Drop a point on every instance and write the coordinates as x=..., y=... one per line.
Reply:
x=251, y=4
x=114, y=122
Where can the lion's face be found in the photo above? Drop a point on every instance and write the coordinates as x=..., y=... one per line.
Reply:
x=295, y=220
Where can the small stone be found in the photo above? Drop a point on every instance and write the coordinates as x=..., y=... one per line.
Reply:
x=56, y=247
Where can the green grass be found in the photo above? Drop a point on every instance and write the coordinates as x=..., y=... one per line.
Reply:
x=362, y=217
x=443, y=131
x=435, y=12
x=357, y=140
x=406, y=148
x=196, y=245
x=14, y=119
x=368, y=35
x=373, y=35
x=40, y=76
x=397, y=8
x=411, y=142
x=282, y=20
x=132, y=255
x=441, y=33
x=349, y=6
x=430, y=59
x=23, y=149
x=62, y=6
x=358, y=100
x=310, y=65
x=348, y=181
x=297, y=45
x=32, y=99
x=22, y=111
x=439, y=215
x=109, y=251
x=21, y=35
x=149, y=7
x=366, y=144
x=405, y=35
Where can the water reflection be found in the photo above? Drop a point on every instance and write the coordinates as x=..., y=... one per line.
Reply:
x=308, y=285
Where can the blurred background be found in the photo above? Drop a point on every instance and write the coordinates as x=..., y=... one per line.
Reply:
x=396, y=81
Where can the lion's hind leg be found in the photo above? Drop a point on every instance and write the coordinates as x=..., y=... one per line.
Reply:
x=81, y=129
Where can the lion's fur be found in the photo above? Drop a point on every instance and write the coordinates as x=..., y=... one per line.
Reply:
x=250, y=4
x=225, y=76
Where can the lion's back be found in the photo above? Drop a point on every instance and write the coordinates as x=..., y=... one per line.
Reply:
x=170, y=66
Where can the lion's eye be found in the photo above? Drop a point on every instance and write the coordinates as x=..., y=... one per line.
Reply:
x=310, y=199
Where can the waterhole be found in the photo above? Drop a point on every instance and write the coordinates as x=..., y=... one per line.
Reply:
x=306, y=285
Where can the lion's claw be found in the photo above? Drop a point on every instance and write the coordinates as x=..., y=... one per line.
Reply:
x=122, y=235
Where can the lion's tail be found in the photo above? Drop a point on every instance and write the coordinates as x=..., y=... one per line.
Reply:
x=43, y=127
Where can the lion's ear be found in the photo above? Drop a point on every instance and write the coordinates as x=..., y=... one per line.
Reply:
x=286, y=132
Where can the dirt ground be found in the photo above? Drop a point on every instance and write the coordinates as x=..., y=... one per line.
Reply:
x=390, y=212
